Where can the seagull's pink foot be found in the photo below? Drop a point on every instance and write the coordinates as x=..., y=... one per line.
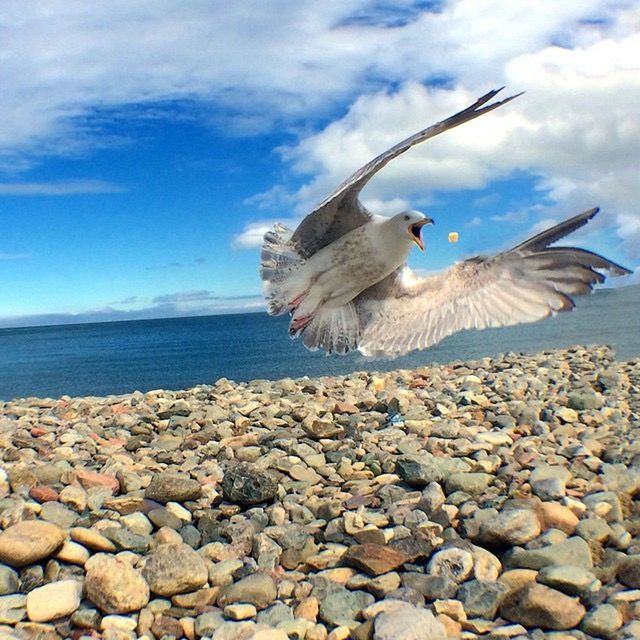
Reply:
x=299, y=323
x=298, y=299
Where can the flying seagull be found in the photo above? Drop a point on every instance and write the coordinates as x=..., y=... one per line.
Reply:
x=342, y=274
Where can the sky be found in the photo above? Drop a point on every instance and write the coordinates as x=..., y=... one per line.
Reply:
x=145, y=147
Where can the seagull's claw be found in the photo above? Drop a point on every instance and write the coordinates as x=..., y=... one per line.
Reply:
x=293, y=304
x=299, y=323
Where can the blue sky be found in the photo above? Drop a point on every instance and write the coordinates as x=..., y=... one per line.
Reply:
x=146, y=146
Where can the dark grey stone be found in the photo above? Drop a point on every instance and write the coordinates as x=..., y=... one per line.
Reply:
x=416, y=472
x=245, y=485
x=431, y=587
x=481, y=598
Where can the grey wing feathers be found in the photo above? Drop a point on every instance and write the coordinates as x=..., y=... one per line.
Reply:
x=360, y=178
x=328, y=223
x=549, y=236
x=342, y=212
x=525, y=284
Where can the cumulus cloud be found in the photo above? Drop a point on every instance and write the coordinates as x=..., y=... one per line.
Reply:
x=103, y=57
x=575, y=130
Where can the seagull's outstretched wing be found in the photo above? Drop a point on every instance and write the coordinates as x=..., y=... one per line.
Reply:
x=342, y=212
x=525, y=284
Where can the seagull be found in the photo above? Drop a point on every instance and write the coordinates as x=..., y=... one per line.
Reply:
x=343, y=277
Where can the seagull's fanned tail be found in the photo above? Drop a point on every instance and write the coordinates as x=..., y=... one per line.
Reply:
x=335, y=330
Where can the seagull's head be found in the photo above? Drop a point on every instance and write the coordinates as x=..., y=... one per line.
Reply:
x=410, y=224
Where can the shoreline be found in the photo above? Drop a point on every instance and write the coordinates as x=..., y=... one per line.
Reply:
x=486, y=499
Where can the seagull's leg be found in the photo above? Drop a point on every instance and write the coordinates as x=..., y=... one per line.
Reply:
x=299, y=323
x=298, y=299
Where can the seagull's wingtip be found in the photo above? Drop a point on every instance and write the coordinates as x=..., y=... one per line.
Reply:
x=510, y=98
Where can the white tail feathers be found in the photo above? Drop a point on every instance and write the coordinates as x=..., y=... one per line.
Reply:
x=336, y=330
x=279, y=266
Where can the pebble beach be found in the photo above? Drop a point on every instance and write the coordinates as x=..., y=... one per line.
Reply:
x=492, y=499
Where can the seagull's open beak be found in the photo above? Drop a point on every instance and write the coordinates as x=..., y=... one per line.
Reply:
x=416, y=229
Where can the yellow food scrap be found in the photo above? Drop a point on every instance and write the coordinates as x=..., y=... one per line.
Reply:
x=453, y=236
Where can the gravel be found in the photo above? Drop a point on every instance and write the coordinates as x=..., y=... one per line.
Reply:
x=492, y=498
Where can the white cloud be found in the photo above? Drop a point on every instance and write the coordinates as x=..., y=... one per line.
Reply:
x=70, y=67
x=58, y=188
x=390, y=206
x=576, y=128
x=67, y=63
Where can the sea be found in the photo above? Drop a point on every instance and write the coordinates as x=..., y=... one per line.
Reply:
x=177, y=353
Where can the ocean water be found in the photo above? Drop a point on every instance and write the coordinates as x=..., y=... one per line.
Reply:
x=120, y=357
